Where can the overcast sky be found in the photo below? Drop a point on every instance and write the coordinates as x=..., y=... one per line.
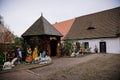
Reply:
x=19, y=15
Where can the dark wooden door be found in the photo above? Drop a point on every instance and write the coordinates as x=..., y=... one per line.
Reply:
x=53, y=45
x=103, y=47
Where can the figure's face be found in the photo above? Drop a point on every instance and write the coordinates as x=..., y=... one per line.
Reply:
x=18, y=48
x=58, y=44
x=43, y=51
x=29, y=49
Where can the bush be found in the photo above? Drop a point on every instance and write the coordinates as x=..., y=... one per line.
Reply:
x=68, y=47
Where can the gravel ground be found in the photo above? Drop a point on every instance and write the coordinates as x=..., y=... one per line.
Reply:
x=91, y=67
x=104, y=67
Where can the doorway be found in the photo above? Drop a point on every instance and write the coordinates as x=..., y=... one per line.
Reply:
x=53, y=45
x=103, y=47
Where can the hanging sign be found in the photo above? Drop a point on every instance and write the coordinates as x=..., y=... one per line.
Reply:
x=53, y=38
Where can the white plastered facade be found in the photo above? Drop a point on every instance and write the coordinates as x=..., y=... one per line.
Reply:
x=112, y=44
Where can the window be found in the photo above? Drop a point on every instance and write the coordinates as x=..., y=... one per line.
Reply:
x=86, y=45
x=90, y=28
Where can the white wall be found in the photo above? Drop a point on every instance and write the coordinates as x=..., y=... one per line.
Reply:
x=112, y=44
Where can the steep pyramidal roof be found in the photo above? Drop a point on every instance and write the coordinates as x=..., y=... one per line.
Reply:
x=41, y=27
x=105, y=24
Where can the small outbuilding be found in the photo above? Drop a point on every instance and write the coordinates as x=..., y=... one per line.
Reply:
x=42, y=35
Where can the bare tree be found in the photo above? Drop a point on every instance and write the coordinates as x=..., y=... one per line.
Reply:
x=6, y=36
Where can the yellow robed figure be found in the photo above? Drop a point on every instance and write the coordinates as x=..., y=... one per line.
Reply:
x=35, y=53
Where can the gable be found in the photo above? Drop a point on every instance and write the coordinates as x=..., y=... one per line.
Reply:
x=64, y=26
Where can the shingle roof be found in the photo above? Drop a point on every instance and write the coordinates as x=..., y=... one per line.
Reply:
x=98, y=25
x=64, y=26
x=42, y=27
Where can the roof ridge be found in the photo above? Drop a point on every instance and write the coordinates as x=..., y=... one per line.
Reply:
x=63, y=21
x=99, y=12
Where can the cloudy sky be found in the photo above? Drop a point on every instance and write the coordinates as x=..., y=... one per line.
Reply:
x=19, y=15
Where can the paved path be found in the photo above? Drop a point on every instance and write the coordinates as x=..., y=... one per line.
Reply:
x=41, y=72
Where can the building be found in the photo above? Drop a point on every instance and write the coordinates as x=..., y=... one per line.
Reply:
x=42, y=35
x=100, y=29
x=63, y=27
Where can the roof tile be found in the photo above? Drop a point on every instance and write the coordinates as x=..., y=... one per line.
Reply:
x=64, y=26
